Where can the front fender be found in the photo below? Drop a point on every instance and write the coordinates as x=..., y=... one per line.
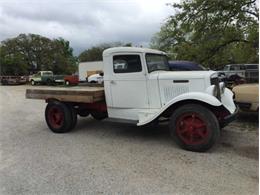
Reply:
x=198, y=96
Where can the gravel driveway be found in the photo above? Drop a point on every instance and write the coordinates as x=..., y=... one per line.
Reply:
x=111, y=158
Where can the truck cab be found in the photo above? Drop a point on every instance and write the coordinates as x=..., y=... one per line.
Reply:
x=140, y=89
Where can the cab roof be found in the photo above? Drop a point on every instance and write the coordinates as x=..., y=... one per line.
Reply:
x=131, y=50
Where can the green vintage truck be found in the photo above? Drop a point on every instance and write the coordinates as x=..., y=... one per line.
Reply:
x=46, y=77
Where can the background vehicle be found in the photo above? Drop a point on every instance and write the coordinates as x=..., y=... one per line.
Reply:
x=185, y=66
x=96, y=78
x=143, y=91
x=89, y=68
x=71, y=80
x=252, y=72
x=241, y=73
x=46, y=77
x=13, y=80
x=247, y=97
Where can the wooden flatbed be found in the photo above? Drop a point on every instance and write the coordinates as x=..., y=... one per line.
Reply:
x=81, y=94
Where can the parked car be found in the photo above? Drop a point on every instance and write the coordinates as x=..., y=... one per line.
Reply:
x=247, y=96
x=240, y=72
x=96, y=78
x=252, y=72
x=13, y=80
x=46, y=77
x=185, y=66
x=192, y=66
x=71, y=80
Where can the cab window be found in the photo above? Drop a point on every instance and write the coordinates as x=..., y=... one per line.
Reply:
x=127, y=63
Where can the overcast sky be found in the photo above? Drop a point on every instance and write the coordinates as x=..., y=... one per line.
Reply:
x=85, y=23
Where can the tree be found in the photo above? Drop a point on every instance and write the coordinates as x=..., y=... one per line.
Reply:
x=23, y=53
x=213, y=33
x=95, y=53
x=12, y=64
x=63, y=59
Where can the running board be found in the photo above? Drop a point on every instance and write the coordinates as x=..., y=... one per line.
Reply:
x=119, y=120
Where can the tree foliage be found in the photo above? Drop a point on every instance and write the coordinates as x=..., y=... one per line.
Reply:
x=213, y=33
x=33, y=52
x=95, y=53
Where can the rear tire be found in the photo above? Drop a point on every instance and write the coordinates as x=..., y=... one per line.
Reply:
x=194, y=127
x=74, y=116
x=59, y=117
x=99, y=115
x=33, y=82
x=67, y=83
x=83, y=113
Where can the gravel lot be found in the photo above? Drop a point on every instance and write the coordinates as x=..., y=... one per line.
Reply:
x=111, y=158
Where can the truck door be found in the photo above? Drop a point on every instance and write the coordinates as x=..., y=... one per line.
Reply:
x=38, y=77
x=128, y=82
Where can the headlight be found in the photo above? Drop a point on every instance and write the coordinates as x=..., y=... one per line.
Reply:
x=222, y=87
x=215, y=91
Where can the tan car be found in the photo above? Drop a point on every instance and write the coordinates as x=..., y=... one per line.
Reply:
x=247, y=96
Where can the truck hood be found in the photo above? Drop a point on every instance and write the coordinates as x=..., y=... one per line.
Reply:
x=165, y=75
x=175, y=83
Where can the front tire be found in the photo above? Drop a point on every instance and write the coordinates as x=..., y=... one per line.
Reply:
x=67, y=83
x=194, y=127
x=60, y=117
x=33, y=82
x=49, y=82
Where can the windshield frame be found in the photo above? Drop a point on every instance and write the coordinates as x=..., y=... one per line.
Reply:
x=167, y=68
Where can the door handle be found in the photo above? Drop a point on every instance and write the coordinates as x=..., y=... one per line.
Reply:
x=112, y=82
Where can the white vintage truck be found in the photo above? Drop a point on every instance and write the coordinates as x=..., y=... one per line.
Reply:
x=140, y=89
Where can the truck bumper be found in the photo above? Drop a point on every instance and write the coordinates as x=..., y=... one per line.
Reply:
x=229, y=118
x=230, y=109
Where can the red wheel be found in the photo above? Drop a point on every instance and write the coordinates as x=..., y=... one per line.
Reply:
x=194, y=127
x=55, y=117
x=60, y=117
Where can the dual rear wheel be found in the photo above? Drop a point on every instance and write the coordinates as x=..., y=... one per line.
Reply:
x=62, y=117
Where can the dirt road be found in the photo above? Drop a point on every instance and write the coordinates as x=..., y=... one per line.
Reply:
x=110, y=158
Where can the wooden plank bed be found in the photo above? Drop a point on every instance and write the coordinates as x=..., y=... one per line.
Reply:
x=83, y=94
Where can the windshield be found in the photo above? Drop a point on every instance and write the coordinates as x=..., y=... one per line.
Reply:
x=47, y=73
x=226, y=67
x=156, y=62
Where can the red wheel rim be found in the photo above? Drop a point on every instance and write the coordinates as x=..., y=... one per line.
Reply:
x=55, y=117
x=192, y=129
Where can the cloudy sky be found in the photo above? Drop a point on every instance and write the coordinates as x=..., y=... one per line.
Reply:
x=85, y=23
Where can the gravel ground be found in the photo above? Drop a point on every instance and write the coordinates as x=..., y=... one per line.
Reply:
x=111, y=158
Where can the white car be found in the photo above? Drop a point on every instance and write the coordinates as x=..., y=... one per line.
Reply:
x=96, y=78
